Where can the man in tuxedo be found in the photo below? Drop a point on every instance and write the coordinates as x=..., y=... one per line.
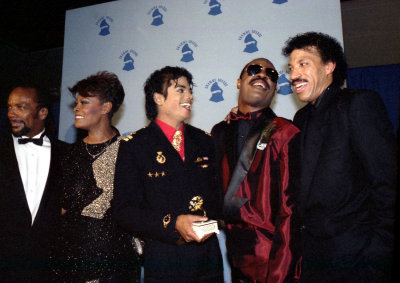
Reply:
x=253, y=158
x=29, y=191
x=165, y=180
x=347, y=167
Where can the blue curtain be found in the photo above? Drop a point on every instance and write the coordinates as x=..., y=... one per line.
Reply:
x=383, y=79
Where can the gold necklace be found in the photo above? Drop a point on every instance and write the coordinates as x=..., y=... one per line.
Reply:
x=94, y=156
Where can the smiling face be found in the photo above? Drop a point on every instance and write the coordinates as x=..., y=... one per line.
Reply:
x=308, y=74
x=176, y=107
x=90, y=112
x=256, y=92
x=23, y=113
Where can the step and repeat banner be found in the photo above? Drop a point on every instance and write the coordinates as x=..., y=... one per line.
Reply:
x=213, y=39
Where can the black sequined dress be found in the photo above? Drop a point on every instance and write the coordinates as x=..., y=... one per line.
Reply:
x=93, y=246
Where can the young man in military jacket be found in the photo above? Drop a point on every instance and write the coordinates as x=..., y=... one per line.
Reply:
x=165, y=180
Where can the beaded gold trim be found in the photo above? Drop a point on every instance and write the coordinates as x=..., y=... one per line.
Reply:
x=103, y=171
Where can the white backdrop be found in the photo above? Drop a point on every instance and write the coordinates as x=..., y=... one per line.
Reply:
x=212, y=39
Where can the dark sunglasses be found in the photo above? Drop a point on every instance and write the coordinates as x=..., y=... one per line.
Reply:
x=255, y=69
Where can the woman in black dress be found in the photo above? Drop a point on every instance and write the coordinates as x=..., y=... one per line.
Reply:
x=94, y=248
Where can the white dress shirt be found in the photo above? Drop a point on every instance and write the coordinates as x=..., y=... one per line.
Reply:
x=34, y=163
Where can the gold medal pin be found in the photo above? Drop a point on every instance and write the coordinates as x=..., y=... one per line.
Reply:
x=160, y=157
x=196, y=204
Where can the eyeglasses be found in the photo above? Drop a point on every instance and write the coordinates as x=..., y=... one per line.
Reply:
x=255, y=69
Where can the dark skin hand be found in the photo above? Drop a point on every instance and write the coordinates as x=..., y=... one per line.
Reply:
x=233, y=110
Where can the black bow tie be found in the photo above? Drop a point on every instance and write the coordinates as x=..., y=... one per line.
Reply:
x=37, y=141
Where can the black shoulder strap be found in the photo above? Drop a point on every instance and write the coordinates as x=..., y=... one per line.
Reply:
x=232, y=203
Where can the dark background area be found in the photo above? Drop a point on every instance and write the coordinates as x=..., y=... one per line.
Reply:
x=30, y=26
x=31, y=42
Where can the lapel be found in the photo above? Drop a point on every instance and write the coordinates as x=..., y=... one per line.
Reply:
x=159, y=141
x=191, y=145
x=48, y=189
x=245, y=160
x=313, y=127
x=230, y=144
x=13, y=173
x=301, y=120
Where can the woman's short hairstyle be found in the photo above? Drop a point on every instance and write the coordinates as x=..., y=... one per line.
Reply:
x=105, y=86
x=158, y=82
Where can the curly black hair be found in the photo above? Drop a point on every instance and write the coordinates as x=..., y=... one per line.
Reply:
x=328, y=47
x=159, y=81
x=105, y=86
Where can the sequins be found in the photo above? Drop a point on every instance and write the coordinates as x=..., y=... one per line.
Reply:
x=103, y=171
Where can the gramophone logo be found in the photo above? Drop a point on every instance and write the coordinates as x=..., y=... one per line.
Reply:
x=104, y=24
x=216, y=90
x=284, y=84
x=186, y=48
x=279, y=1
x=157, y=14
x=249, y=39
x=128, y=61
x=215, y=7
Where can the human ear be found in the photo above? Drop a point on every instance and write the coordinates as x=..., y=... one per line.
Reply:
x=330, y=67
x=158, y=98
x=238, y=82
x=43, y=112
x=107, y=106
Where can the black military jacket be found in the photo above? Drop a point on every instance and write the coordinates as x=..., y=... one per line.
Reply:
x=153, y=186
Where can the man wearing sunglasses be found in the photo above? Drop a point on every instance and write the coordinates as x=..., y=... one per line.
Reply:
x=253, y=158
x=346, y=178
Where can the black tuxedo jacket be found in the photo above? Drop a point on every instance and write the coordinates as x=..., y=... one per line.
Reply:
x=25, y=247
x=151, y=182
x=346, y=185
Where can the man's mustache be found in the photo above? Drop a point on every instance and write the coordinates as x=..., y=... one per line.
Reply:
x=298, y=81
x=19, y=121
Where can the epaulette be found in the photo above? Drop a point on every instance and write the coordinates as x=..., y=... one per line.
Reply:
x=130, y=136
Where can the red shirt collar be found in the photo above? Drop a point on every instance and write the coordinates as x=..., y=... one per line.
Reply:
x=169, y=132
